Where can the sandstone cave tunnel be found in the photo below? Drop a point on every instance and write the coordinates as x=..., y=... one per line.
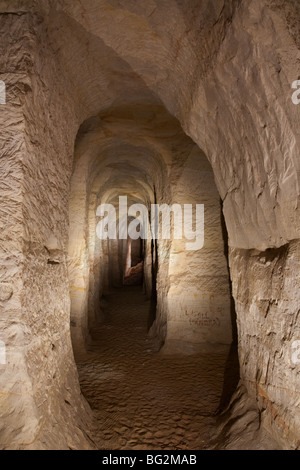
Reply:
x=149, y=342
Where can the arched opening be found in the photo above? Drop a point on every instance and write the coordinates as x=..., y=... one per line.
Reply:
x=169, y=295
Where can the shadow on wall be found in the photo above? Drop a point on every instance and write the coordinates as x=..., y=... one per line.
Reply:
x=232, y=368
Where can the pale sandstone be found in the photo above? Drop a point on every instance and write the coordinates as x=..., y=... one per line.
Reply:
x=224, y=69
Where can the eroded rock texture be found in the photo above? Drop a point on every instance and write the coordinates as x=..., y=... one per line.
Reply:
x=184, y=101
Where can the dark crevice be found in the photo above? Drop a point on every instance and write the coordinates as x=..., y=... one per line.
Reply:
x=232, y=368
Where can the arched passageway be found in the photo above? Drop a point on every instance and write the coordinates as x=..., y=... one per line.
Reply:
x=165, y=102
x=169, y=338
x=141, y=155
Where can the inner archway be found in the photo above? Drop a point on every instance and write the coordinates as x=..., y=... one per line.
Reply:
x=137, y=160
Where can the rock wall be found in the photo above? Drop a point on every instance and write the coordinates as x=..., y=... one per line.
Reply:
x=250, y=134
x=41, y=405
x=267, y=303
x=199, y=292
x=225, y=70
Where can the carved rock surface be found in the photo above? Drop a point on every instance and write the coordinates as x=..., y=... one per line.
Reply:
x=157, y=90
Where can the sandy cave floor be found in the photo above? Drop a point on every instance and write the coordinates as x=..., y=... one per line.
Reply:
x=141, y=398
